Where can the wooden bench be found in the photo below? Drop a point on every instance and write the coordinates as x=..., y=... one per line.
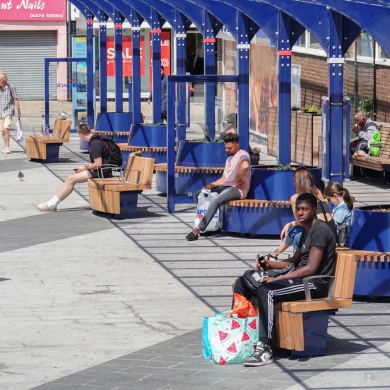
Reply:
x=372, y=273
x=301, y=326
x=46, y=149
x=118, y=196
x=376, y=163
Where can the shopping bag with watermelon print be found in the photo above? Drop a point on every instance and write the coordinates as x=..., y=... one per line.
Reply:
x=229, y=340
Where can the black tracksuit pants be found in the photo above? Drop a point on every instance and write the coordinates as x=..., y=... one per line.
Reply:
x=282, y=290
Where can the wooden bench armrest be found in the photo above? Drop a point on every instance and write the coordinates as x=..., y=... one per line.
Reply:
x=307, y=289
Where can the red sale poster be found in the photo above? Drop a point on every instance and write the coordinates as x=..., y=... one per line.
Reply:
x=127, y=57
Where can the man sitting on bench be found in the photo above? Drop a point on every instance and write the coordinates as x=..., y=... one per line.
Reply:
x=315, y=256
x=99, y=153
x=362, y=132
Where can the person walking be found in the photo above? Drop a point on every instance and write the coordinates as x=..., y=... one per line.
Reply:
x=8, y=100
x=164, y=96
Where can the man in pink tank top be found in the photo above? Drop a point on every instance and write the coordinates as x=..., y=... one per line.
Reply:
x=234, y=183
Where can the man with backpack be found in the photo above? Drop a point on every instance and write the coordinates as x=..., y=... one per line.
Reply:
x=102, y=151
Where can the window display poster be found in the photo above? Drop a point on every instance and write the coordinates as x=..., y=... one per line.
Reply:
x=79, y=73
x=296, y=86
x=230, y=67
x=263, y=86
x=127, y=56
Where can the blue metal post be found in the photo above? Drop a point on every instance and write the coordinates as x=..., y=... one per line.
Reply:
x=156, y=66
x=243, y=46
x=103, y=62
x=130, y=96
x=136, y=48
x=118, y=62
x=47, y=95
x=335, y=71
x=171, y=191
x=347, y=126
x=182, y=96
x=284, y=90
x=90, y=71
x=209, y=42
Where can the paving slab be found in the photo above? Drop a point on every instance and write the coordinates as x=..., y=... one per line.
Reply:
x=90, y=302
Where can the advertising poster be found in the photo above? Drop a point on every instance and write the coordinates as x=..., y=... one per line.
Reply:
x=263, y=86
x=230, y=67
x=127, y=56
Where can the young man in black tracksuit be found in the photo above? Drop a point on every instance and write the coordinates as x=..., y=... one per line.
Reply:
x=315, y=256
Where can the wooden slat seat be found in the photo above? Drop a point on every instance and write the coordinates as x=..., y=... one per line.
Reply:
x=179, y=169
x=129, y=148
x=259, y=203
x=117, y=197
x=372, y=162
x=46, y=149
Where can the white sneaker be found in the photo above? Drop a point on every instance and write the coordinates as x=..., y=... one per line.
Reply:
x=45, y=207
x=6, y=151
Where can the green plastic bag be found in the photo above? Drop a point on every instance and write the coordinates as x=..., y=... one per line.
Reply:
x=375, y=139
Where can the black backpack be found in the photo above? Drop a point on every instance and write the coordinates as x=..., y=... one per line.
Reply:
x=115, y=157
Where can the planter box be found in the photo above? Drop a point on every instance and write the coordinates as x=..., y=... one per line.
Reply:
x=370, y=231
x=271, y=184
x=305, y=133
x=201, y=154
x=148, y=135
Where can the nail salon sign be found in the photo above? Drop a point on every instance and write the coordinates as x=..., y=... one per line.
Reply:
x=33, y=10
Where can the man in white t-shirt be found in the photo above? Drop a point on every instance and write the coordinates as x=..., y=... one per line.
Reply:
x=234, y=183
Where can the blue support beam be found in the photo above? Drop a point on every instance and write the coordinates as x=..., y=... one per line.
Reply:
x=90, y=71
x=136, y=20
x=119, y=18
x=284, y=90
x=103, y=62
x=336, y=77
x=243, y=53
x=156, y=25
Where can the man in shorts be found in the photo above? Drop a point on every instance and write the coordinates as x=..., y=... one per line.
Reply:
x=8, y=101
x=99, y=154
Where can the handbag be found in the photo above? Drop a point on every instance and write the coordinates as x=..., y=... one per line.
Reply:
x=19, y=133
x=343, y=235
x=204, y=200
x=253, y=278
x=229, y=340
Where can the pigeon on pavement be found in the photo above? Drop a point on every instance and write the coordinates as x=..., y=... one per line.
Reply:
x=20, y=176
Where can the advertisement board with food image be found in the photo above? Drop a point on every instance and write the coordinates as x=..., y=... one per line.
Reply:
x=263, y=86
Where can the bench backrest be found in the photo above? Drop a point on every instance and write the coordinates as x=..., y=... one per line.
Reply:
x=345, y=272
x=139, y=170
x=61, y=128
x=385, y=140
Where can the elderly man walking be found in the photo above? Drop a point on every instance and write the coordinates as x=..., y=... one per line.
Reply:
x=8, y=101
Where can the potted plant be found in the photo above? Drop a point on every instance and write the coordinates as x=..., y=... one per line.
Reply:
x=306, y=126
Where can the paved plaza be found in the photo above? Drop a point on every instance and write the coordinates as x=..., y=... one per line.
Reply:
x=93, y=303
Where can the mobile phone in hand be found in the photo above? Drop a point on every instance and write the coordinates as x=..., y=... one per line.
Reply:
x=75, y=169
x=259, y=259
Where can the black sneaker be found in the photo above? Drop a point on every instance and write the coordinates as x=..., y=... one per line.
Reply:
x=263, y=355
x=191, y=237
